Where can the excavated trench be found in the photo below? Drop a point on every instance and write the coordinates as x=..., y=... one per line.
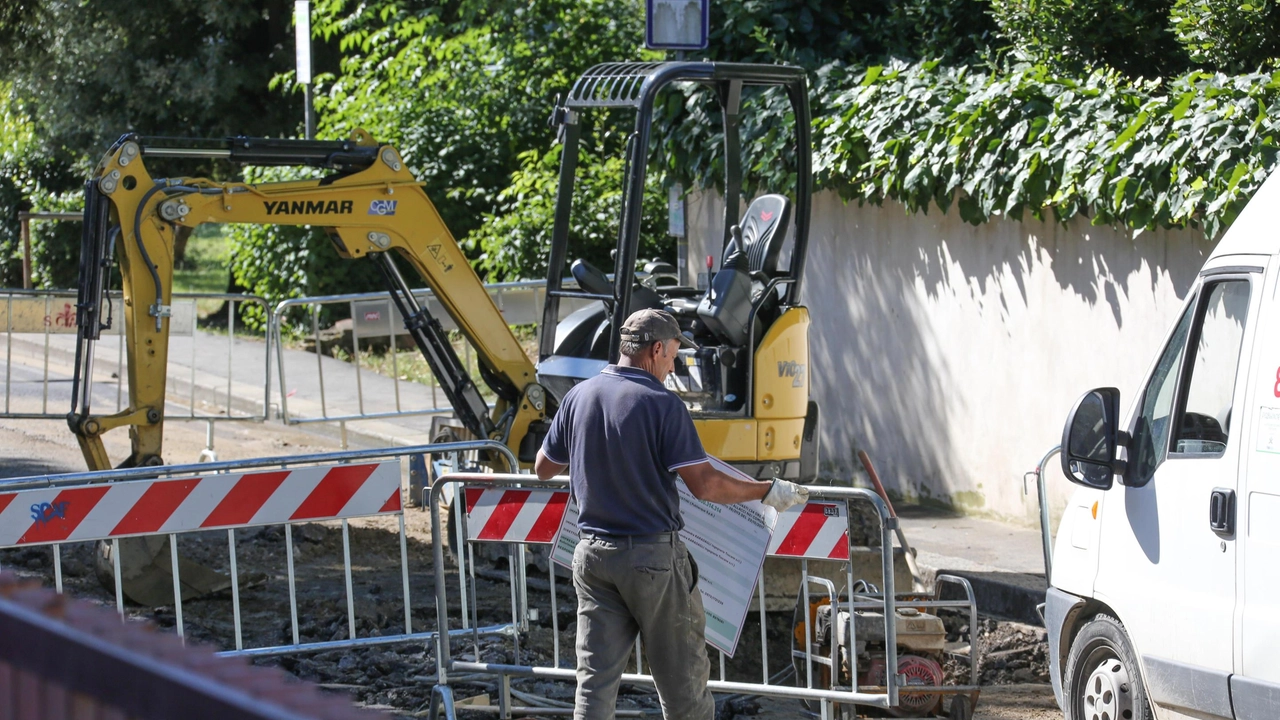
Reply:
x=400, y=678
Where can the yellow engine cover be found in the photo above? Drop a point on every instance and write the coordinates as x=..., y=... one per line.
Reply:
x=780, y=399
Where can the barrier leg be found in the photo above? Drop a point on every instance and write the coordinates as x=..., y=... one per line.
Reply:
x=404, y=576
x=764, y=635
x=555, y=616
x=57, y=567
x=441, y=700
x=235, y=588
x=808, y=620
x=315, y=333
x=346, y=569
x=515, y=605
x=293, y=594
x=115, y=561
x=177, y=585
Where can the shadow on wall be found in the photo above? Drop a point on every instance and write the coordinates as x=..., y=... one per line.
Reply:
x=1095, y=264
x=900, y=305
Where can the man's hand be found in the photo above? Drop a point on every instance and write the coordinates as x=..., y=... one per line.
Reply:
x=783, y=495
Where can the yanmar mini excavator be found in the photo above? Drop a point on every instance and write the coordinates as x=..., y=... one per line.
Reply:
x=747, y=384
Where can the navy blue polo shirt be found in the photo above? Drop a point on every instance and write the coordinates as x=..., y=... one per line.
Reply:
x=623, y=436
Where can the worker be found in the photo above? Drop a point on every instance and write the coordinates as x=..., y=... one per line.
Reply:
x=625, y=437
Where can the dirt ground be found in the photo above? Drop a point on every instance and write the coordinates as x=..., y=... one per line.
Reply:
x=399, y=678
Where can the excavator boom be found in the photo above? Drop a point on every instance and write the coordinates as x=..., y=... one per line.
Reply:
x=370, y=206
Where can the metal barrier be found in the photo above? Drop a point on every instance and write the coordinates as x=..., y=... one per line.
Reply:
x=1042, y=494
x=374, y=315
x=231, y=495
x=887, y=602
x=40, y=327
x=24, y=221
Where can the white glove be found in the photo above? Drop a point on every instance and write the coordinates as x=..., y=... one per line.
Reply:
x=783, y=494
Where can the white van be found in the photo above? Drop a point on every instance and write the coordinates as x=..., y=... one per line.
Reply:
x=1165, y=595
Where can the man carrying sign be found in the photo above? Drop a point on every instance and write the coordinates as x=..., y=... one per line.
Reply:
x=624, y=438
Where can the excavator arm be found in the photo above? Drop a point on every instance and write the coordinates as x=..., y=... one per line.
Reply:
x=371, y=206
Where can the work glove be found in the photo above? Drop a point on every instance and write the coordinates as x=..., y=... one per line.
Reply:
x=783, y=494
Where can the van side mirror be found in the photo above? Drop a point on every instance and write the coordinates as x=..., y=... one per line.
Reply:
x=1089, y=440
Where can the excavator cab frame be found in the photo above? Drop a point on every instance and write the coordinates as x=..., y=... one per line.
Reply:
x=747, y=386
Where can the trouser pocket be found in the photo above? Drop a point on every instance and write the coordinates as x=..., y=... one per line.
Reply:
x=693, y=572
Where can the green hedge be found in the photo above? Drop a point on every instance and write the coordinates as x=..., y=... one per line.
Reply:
x=1189, y=152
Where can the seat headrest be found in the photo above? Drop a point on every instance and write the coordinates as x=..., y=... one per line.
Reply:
x=764, y=228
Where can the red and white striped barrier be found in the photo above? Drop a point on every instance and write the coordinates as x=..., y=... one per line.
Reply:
x=147, y=507
x=817, y=530
x=523, y=516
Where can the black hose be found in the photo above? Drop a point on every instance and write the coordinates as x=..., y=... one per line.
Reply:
x=137, y=236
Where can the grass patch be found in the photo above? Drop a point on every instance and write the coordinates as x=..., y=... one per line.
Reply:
x=206, y=266
x=411, y=366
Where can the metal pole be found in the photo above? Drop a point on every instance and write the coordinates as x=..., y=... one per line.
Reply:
x=310, y=117
x=764, y=635
x=404, y=576
x=177, y=584
x=26, y=251
x=346, y=567
x=293, y=594
x=235, y=587
x=57, y=567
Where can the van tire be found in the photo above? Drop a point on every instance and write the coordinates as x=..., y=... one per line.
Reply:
x=1103, y=674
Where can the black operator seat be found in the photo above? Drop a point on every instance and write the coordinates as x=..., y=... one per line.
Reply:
x=752, y=255
x=585, y=332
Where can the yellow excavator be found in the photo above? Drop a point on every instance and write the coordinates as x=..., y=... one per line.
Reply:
x=747, y=384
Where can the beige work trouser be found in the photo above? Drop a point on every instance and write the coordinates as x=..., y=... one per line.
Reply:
x=647, y=588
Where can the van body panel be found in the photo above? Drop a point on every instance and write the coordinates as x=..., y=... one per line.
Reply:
x=1058, y=607
x=1259, y=506
x=1075, y=552
x=1254, y=699
x=1254, y=231
x=1186, y=689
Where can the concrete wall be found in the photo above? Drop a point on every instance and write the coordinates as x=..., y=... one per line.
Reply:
x=953, y=353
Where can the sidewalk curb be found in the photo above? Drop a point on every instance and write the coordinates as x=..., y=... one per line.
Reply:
x=999, y=593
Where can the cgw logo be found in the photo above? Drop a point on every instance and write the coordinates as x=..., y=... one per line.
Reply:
x=382, y=207
x=793, y=370
x=309, y=207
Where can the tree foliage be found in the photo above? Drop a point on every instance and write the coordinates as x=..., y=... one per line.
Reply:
x=1077, y=36
x=464, y=89
x=1142, y=154
x=1235, y=36
x=91, y=71
x=83, y=73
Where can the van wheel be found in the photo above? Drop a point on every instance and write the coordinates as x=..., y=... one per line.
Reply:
x=1103, y=679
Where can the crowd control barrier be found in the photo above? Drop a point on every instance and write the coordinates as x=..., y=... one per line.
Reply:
x=39, y=351
x=522, y=511
x=228, y=496
x=375, y=316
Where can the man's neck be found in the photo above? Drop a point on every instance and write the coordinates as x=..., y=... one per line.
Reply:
x=636, y=363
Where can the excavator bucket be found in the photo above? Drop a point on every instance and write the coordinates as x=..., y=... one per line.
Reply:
x=146, y=572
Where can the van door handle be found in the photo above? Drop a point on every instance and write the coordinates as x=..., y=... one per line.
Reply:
x=1222, y=511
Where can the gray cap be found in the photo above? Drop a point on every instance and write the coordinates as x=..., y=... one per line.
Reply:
x=649, y=325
